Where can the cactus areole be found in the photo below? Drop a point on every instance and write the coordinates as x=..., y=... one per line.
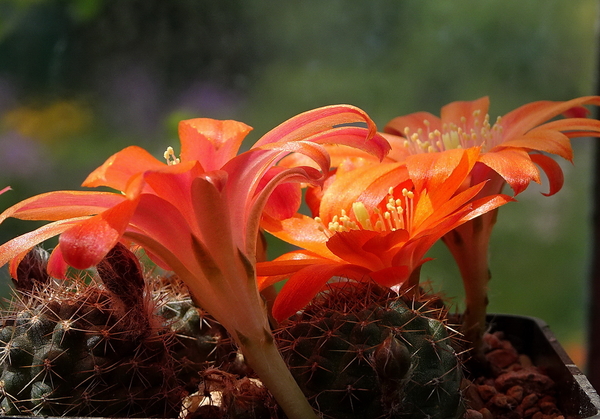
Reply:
x=361, y=351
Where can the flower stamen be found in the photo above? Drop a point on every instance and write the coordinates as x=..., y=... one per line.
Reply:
x=472, y=132
x=170, y=157
x=397, y=215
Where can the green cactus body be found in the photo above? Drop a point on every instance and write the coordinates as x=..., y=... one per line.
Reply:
x=359, y=351
x=80, y=348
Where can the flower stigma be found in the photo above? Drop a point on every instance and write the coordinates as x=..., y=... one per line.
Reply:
x=472, y=134
x=170, y=157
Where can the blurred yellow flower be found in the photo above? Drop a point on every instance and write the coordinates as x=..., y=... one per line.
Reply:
x=53, y=123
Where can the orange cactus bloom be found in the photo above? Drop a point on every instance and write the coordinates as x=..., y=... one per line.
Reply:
x=199, y=215
x=374, y=222
x=513, y=150
x=510, y=147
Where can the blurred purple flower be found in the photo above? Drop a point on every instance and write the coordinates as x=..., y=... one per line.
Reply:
x=132, y=100
x=22, y=157
x=209, y=100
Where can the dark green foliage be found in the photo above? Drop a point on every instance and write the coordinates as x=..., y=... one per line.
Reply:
x=359, y=351
x=123, y=346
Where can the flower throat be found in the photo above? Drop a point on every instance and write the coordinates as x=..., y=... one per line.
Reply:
x=397, y=215
x=473, y=134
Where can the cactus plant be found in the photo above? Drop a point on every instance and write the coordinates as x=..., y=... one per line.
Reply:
x=113, y=345
x=363, y=351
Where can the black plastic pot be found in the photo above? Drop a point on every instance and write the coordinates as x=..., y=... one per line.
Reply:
x=532, y=336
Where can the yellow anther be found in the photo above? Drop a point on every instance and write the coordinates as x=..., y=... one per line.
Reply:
x=170, y=157
x=396, y=215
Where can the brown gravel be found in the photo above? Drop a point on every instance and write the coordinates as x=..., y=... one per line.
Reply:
x=516, y=388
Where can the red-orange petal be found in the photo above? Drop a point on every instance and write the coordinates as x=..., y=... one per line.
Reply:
x=306, y=283
x=456, y=112
x=57, y=266
x=87, y=242
x=120, y=167
x=315, y=121
x=348, y=245
x=549, y=141
x=20, y=245
x=569, y=125
x=515, y=167
x=211, y=142
x=60, y=205
x=552, y=170
x=299, y=230
x=285, y=265
x=442, y=173
x=413, y=122
x=367, y=184
x=392, y=276
x=285, y=199
x=529, y=116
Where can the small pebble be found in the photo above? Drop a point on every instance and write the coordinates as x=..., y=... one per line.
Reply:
x=525, y=361
x=473, y=414
x=529, y=401
x=516, y=392
x=486, y=413
x=486, y=391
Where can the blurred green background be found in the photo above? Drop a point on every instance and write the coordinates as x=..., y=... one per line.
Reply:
x=81, y=79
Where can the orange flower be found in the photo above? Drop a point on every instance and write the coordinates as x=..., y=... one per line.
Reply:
x=511, y=146
x=199, y=215
x=511, y=152
x=374, y=222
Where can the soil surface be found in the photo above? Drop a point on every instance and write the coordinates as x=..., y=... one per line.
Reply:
x=513, y=389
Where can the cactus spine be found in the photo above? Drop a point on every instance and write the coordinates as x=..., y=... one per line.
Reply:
x=114, y=345
x=361, y=351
